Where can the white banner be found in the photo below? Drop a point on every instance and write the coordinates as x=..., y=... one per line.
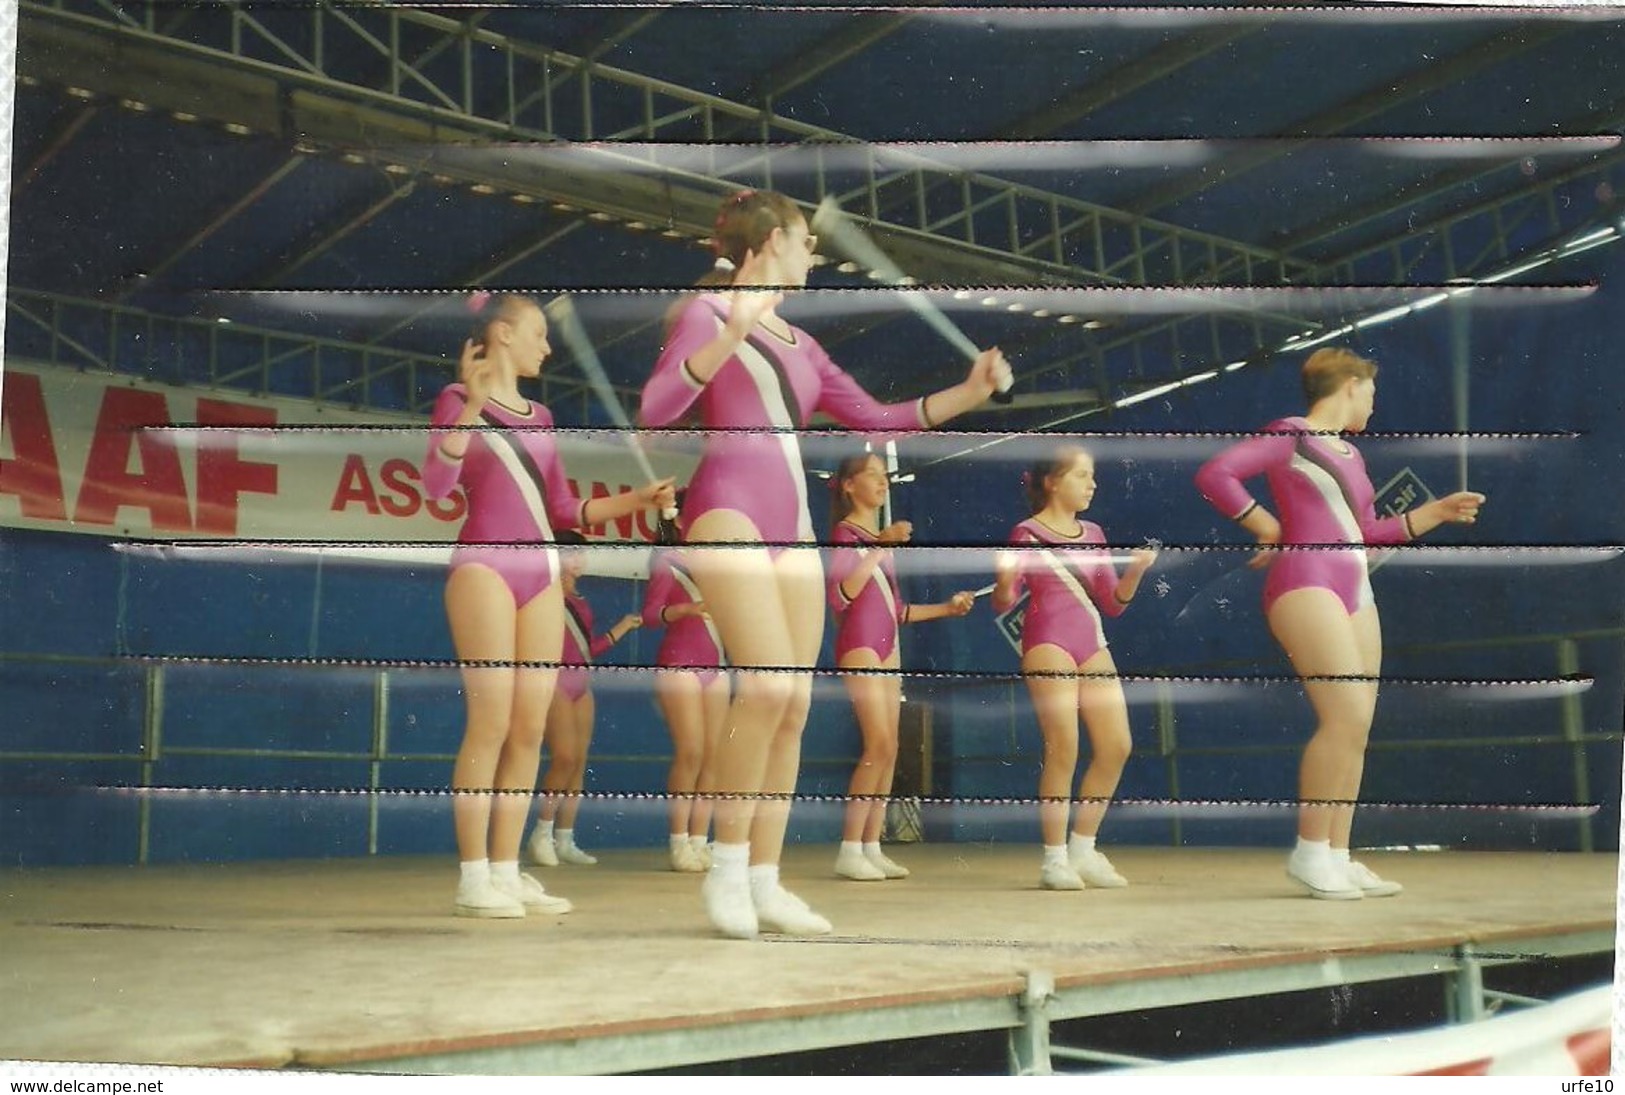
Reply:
x=102, y=454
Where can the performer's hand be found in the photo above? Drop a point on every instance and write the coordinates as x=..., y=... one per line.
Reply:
x=478, y=374
x=898, y=532
x=1141, y=559
x=961, y=603
x=630, y=622
x=1460, y=508
x=660, y=494
x=1268, y=531
x=747, y=305
x=986, y=371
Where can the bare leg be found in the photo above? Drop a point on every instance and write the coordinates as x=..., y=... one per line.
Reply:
x=482, y=616
x=540, y=635
x=682, y=704
x=1105, y=713
x=801, y=590
x=1324, y=641
x=584, y=711
x=715, y=704
x=1055, y=700
x=741, y=590
x=872, y=701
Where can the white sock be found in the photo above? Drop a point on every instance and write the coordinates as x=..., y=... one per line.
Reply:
x=1315, y=848
x=1078, y=844
x=544, y=830
x=567, y=838
x=1341, y=855
x=506, y=871
x=729, y=861
x=1054, y=854
x=475, y=871
x=678, y=841
x=871, y=849
x=697, y=841
x=764, y=878
x=851, y=848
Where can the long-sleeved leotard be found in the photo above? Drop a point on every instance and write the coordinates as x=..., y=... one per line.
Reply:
x=1323, y=497
x=767, y=389
x=514, y=482
x=581, y=646
x=869, y=620
x=1070, y=589
x=691, y=642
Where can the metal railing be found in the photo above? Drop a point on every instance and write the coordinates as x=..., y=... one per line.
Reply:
x=1571, y=733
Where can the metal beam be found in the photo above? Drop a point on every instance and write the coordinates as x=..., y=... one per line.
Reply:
x=156, y=270
x=1350, y=112
x=64, y=137
x=1126, y=78
x=332, y=237
x=856, y=35
x=255, y=84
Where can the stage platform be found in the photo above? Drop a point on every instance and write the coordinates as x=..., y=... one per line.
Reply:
x=358, y=964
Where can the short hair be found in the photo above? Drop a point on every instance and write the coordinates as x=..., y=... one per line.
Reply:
x=1328, y=368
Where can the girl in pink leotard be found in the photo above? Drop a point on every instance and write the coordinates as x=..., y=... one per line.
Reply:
x=1069, y=670
x=754, y=379
x=570, y=718
x=502, y=600
x=692, y=691
x=1317, y=596
x=869, y=609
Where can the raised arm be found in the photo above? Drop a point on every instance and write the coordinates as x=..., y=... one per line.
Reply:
x=443, y=464
x=1008, y=577
x=844, y=400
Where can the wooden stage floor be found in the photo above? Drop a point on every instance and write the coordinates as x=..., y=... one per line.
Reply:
x=358, y=964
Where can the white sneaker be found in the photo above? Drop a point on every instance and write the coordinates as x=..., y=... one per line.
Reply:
x=887, y=867
x=784, y=913
x=1096, y=870
x=570, y=853
x=1323, y=877
x=485, y=901
x=729, y=906
x=1059, y=876
x=702, y=852
x=539, y=849
x=530, y=893
x=1369, y=883
x=853, y=864
x=684, y=859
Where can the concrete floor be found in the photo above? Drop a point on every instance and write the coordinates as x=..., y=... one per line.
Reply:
x=333, y=962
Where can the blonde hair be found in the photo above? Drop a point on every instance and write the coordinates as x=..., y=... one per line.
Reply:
x=1329, y=368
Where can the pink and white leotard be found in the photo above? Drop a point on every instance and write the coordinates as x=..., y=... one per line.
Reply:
x=1070, y=589
x=767, y=389
x=1323, y=497
x=516, y=489
x=691, y=642
x=871, y=619
x=581, y=646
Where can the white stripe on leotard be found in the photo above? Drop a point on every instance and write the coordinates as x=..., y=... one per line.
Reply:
x=878, y=577
x=693, y=591
x=766, y=379
x=1070, y=580
x=583, y=642
x=504, y=446
x=1337, y=503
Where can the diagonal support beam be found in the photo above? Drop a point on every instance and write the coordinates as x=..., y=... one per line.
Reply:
x=64, y=137
x=1351, y=112
x=217, y=222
